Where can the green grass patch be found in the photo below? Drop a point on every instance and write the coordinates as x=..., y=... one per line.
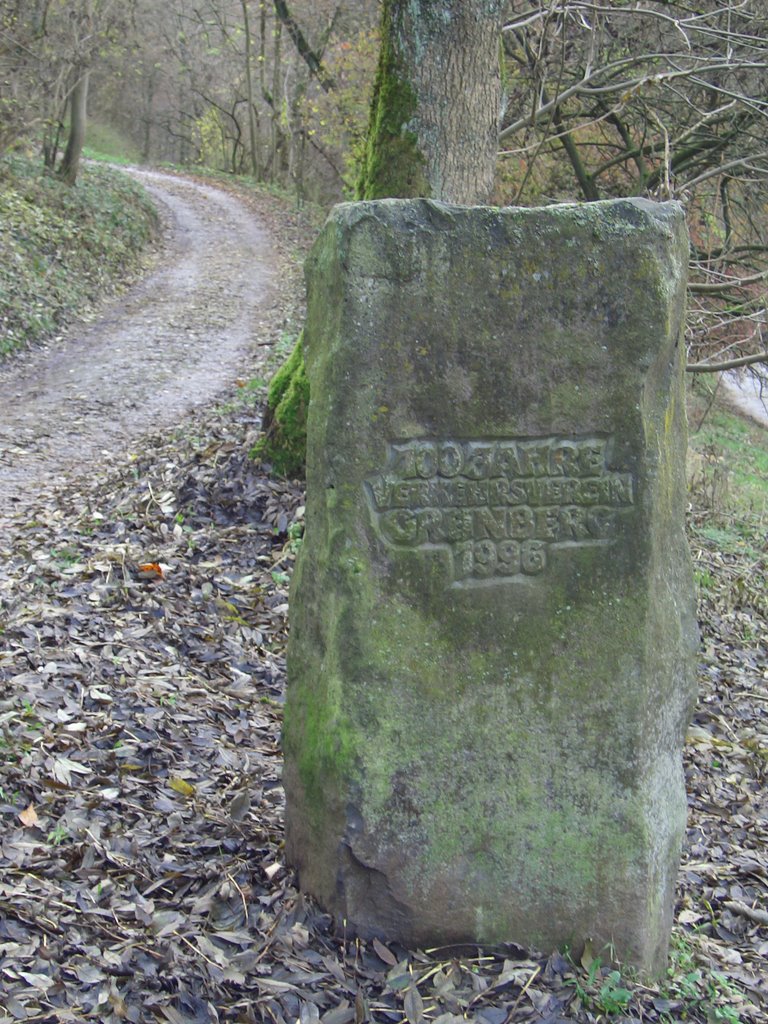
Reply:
x=694, y=987
x=733, y=447
x=728, y=502
x=63, y=249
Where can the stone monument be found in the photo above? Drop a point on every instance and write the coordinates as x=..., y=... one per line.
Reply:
x=490, y=669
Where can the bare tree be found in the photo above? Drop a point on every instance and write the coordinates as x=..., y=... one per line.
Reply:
x=27, y=74
x=47, y=51
x=78, y=105
x=662, y=99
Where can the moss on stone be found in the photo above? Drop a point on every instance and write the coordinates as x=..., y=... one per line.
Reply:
x=319, y=731
x=284, y=442
x=393, y=165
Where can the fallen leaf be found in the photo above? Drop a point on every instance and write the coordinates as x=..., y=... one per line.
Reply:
x=150, y=571
x=239, y=805
x=384, y=954
x=28, y=816
x=413, y=1005
x=182, y=786
x=588, y=956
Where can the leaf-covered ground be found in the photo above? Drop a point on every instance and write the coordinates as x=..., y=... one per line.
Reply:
x=144, y=618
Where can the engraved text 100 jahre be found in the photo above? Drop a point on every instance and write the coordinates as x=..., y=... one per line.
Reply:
x=498, y=506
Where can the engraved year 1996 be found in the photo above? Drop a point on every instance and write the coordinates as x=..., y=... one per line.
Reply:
x=498, y=506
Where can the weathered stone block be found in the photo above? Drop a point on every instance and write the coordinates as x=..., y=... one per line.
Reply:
x=492, y=620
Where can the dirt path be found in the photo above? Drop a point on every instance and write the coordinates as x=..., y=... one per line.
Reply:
x=169, y=346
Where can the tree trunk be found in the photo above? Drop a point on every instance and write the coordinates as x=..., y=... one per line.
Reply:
x=277, y=102
x=78, y=102
x=150, y=85
x=433, y=133
x=435, y=110
x=252, y=130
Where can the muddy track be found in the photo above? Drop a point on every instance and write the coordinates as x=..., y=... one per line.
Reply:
x=168, y=346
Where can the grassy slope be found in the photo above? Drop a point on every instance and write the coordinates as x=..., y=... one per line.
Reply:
x=728, y=476
x=63, y=249
x=727, y=742
x=107, y=143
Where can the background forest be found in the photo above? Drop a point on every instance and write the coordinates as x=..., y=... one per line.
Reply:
x=665, y=99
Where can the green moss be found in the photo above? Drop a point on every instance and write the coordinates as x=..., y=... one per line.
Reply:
x=389, y=676
x=317, y=729
x=393, y=165
x=319, y=734
x=284, y=443
x=282, y=381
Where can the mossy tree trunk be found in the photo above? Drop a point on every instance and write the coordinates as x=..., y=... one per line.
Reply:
x=433, y=133
x=435, y=110
x=284, y=441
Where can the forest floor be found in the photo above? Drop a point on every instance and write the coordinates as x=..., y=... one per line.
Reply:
x=144, y=563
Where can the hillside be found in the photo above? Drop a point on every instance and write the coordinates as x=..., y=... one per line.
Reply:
x=62, y=249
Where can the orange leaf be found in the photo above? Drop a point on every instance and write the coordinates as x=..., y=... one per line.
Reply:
x=29, y=816
x=151, y=571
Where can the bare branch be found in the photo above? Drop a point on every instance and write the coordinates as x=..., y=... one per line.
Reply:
x=743, y=162
x=306, y=52
x=585, y=87
x=731, y=364
x=727, y=285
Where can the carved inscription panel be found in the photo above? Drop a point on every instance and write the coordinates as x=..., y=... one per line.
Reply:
x=498, y=506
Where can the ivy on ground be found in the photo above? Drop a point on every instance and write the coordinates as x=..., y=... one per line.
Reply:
x=64, y=248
